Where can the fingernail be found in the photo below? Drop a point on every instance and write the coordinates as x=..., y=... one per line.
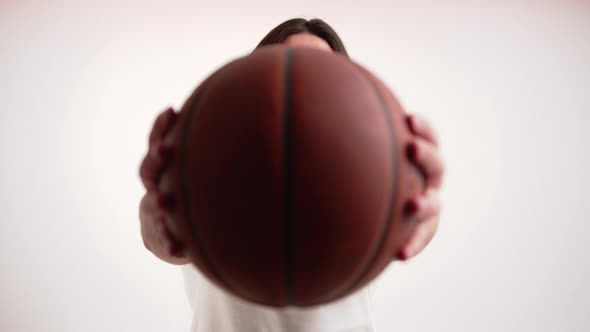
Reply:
x=409, y=122
x=412, y=151
x=177, y=252
x=402, y=255
x=176, y=249
x=410, y=208
x=164, y=152
x=164, y=201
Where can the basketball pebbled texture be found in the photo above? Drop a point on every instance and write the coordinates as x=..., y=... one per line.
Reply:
x=289, y=176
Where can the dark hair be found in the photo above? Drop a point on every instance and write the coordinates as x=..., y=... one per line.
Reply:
x=298, y=25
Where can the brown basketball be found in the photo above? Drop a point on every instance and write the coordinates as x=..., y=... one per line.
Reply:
x=289, y=175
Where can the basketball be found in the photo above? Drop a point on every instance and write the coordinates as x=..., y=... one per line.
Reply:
x=289, y=176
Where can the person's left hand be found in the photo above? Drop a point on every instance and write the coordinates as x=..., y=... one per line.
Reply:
x=423, y=209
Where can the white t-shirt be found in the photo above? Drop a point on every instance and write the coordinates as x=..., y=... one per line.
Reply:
x=215, y=310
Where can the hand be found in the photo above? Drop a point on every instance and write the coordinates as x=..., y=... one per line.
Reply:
x=425, y=208
x=154, y=204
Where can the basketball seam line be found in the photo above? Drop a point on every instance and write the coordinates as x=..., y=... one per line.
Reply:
x=287, y=178
x=394, y=169
x=184, y=175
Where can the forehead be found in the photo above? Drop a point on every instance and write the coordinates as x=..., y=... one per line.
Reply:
x=307, y=40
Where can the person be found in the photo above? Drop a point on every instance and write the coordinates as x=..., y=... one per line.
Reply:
x=216, y=310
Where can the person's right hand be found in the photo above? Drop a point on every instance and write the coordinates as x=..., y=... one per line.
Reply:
x=154, y=204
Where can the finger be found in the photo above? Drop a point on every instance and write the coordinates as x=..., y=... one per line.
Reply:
x=419, y=239
x=160, y=152
x=147, y=229
x=151, y=206
x=162, y=124
x=179, y=252
x=145, y=243
x=176, y=248
x=155, y=205
x=154, y=231
x=424, y=207
x=152, y=164
x=163, y=236
x=422, y=127
x=148, y=172
x=425, y=211
x=409, y=249
x=169, y=243
x=428, y=159
x=432, y=229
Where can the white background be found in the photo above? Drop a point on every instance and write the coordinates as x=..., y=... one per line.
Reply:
x=507, y=87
